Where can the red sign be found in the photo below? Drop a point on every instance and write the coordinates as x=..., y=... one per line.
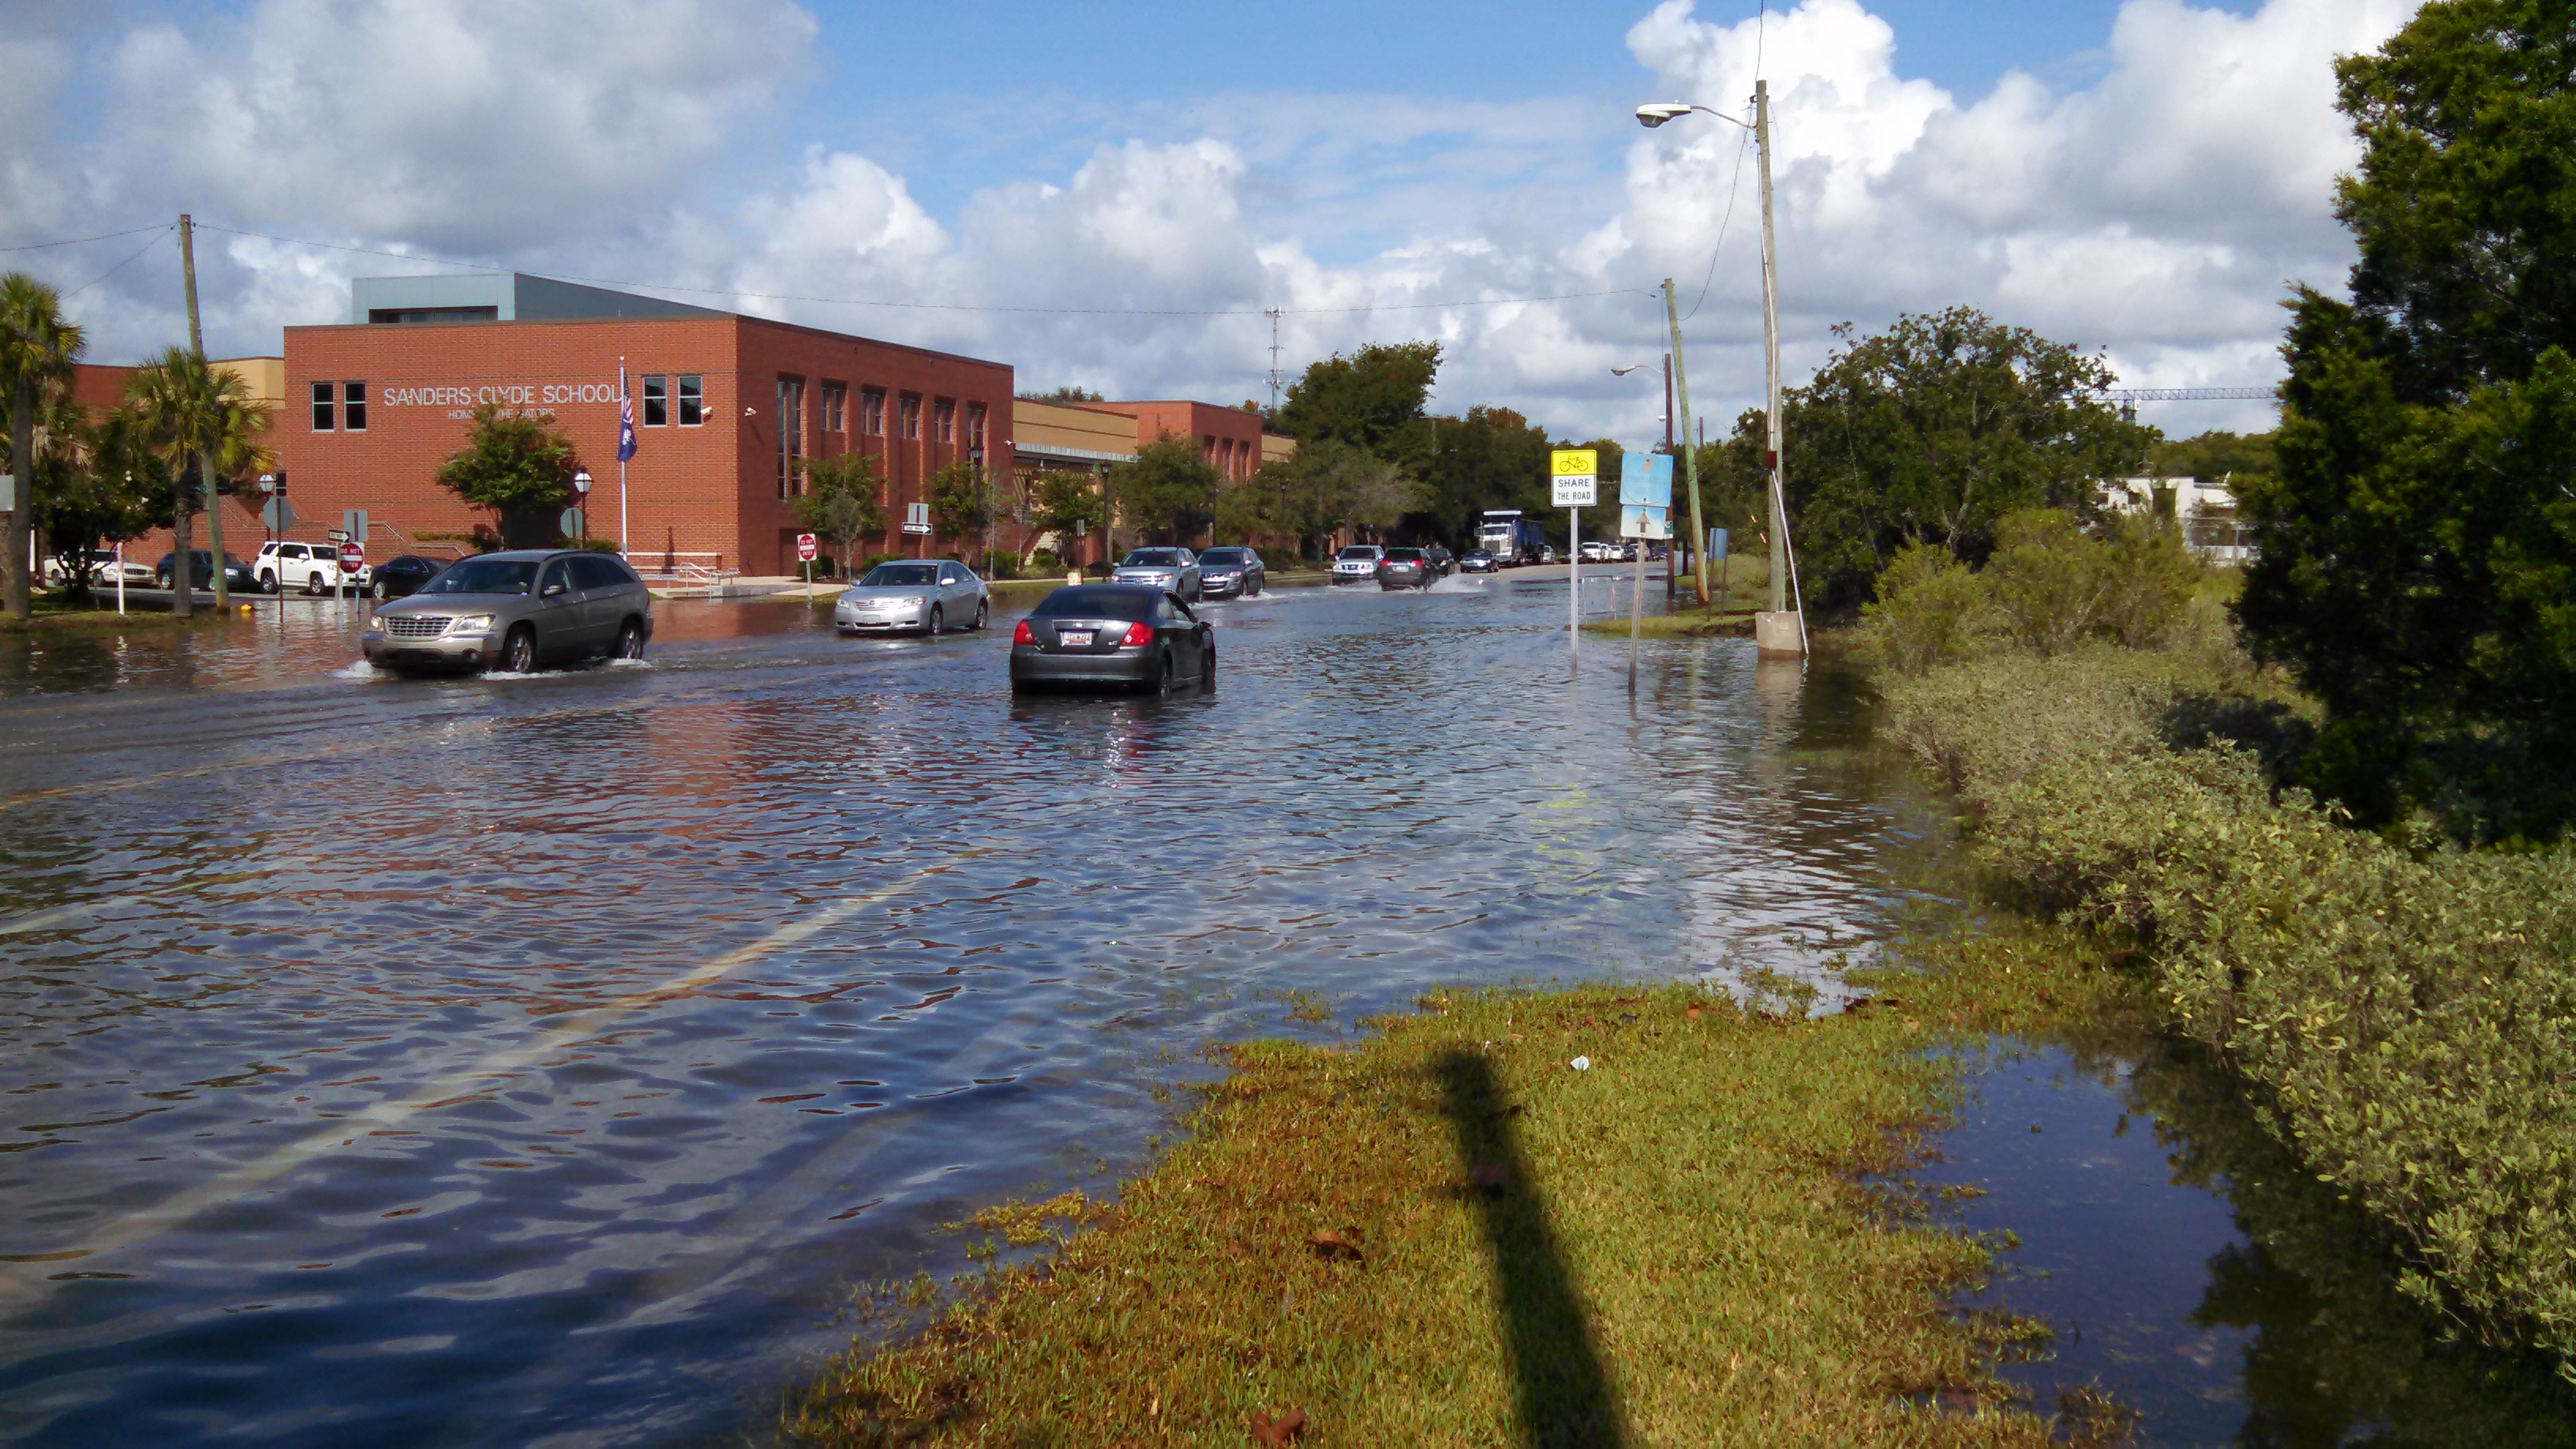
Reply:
x=805, y=550
x=353, y=557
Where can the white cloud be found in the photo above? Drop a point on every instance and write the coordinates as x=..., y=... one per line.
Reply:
x=2156, y=212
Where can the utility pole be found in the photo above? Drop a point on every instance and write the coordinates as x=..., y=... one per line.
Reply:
x=1690, y=465
x=183, y=577
x=1276, y=376
x=1672, y=559
x=205, y=446
x=1769, y=634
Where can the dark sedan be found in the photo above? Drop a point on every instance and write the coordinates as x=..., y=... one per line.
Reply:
x=1476, y=561
x=237, y=574
x=401, y=576
x=1406, y=568
x=1135, y=635
x=1231, y=573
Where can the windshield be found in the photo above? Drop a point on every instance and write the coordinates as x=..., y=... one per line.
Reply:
x=1222, y=556
x=1403, y=555
x=906, y=575
x=1360, y=550
x=1096, y=603
x=485, y=576
x=1153, y=558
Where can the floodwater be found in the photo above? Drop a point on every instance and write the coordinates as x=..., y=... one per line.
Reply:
x=550, y=1060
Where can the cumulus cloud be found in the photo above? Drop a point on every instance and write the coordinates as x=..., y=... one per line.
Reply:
x=2156, y=213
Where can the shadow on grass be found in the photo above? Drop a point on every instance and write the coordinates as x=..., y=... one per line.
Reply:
x=1565, y=1397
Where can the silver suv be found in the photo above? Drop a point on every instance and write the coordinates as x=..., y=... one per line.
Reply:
x=513, y=612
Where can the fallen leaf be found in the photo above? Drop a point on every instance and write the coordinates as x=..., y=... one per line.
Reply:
x=1336, y=1243
x=1284, y=1427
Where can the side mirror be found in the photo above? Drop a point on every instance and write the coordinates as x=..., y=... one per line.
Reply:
x=550, y=591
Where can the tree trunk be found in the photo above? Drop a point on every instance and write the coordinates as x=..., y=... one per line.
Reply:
x=14, y=585
x=214, y=526
x=183, y=580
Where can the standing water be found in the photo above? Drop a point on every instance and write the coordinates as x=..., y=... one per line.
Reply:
x=549, y=1060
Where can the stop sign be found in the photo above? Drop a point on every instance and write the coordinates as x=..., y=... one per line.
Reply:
x=805, y=548
x=353, y=556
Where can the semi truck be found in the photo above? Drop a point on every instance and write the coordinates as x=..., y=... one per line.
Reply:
x=1510, y=538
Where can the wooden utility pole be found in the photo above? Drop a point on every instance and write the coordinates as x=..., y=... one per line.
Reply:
x=1672, y=547
x=182, y=575
x=1681, y=406
x=1779, y=632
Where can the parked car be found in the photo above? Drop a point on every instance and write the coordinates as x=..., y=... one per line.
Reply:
x=1406, y=568
x=1176, y=569
x=102, y=575
x=402, y=576
x=1594, y=550
x=1477, y=561
x=201, y=571
x=1357, y=563
x=1122, y=634
x=514, y=611
x=928, y=596
x=1547, y=553
x=313, y=568
x=1231, y=573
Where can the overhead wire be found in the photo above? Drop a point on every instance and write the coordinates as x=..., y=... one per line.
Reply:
x=1735, y=184
x=941, y=306
x=73, y=241
x=136, y=255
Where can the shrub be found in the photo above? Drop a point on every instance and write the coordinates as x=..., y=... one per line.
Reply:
x=2048, y=580
x=1931, y=609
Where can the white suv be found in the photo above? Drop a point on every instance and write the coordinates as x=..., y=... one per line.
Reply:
x=1357, y=563
x=312, y=567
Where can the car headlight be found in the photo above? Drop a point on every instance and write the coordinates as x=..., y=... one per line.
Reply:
x=469, y=624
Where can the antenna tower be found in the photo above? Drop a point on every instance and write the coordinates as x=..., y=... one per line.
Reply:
x=1276, y=376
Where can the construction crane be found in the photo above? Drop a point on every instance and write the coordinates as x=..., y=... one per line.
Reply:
x=2129, y=397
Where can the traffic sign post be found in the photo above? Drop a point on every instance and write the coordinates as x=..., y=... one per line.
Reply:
x=1576, y=476
x=1645, y=514
x=805, y=551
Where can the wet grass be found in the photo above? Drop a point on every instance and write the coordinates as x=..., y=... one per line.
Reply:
x=55, y=614
x=1446, y=1234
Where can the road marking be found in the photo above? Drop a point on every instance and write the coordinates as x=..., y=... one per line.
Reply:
x=140, y=1227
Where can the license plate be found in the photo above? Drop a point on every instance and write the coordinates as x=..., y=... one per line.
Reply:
x=1074, y=639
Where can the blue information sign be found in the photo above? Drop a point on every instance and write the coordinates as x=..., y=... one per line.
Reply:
x=1646, y=480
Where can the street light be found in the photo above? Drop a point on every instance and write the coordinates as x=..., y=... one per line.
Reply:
x=581, y=492
x=1651, y=115
x=581, y=481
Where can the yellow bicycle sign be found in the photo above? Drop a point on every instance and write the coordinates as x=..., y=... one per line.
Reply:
x=1575, y=462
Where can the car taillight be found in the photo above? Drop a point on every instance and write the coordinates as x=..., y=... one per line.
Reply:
x=1023, y=635
x=1139, y=634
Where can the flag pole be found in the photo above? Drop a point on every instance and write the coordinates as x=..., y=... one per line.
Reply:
x=625, y=450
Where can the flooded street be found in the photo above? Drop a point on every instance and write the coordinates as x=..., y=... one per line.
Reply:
x=547, y=1060
x=551, y=1060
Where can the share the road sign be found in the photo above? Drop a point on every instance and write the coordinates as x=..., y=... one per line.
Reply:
x=1576, y=473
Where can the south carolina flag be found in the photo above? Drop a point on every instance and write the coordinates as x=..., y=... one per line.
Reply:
x=625, y=416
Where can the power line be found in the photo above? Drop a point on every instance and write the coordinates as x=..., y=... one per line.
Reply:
x=82, y=240
x=129, y=261
x=943, y=306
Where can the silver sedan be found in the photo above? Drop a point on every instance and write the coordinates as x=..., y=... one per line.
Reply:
x=929, y=596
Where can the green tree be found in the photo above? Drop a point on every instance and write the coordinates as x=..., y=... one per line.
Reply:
x=205, y=422
x=2415, y=552
x=1062, y=504
x=843, y=504
x=961, y=501
x=120, y=488
x=1372, y=399
x=1167, y=492
x=1067, y=395
x=37, y=351
x=1930, y=432
x=1325, y=487
x=1491, y=458
x=2212, y=456
x=517, y=465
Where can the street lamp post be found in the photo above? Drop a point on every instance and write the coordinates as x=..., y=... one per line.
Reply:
x=581, y=505
x=1784, y=564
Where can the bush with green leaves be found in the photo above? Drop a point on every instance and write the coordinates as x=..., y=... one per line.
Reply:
x=2404, y=1013
x=2049, y=586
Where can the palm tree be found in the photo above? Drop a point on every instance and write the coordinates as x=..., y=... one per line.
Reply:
x=197, y=413
x=37, y=350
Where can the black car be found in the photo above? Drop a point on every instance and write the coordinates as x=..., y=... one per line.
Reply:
x=1406, y=568
x=1134, y=635
x=1231, y=573
x=201, y=571
x=401, y=576
x=1444, y=562
x=1476, y=561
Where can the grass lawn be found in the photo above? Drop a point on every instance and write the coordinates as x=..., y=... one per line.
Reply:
x=1445, y=1234
x=52, y=613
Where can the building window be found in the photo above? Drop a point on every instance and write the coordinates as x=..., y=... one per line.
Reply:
x=657, y=400
x=872, y=411
x=911, y=416
x=836, y=408
x=943, y=420
x=693, y=399
x=975, y=427
x=791, y=435
x=323, y=411
x=353, y=407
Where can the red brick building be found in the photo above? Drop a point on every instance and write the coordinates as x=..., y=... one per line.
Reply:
x=1230, y=438
x=728, y=409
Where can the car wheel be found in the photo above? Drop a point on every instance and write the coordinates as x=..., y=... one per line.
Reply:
x=938, y=621
x=983, y=611
x=1163, y=674
x=313, y=582
x=267, y=582
x=1207, y=667
x=382, y=592
x=630, y=641
x=519, y=651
